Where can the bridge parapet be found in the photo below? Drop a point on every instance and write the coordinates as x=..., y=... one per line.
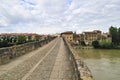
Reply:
x=82, y=72
x=8, y=53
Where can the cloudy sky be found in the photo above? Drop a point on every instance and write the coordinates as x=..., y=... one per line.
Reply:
x=53, y=16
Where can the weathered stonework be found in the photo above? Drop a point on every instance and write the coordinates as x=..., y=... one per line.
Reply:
x=8, y=53
x=81, y=70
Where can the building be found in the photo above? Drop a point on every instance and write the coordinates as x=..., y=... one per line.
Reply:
x=69, y=36
x=9, y=37
x=91, y=36
x=31, y=36
x=76, y=38
x=12, y=37
x=106, y=37
x=81, y=37
x=87, y=37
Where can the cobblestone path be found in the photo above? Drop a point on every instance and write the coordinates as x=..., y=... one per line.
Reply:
x=50, y=62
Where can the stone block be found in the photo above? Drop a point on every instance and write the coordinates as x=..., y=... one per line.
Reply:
x=4, y=58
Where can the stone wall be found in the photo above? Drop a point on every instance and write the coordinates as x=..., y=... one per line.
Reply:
x=8, y=53
x=82, y=72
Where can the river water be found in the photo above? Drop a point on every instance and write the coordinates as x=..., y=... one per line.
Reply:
x=104, y=64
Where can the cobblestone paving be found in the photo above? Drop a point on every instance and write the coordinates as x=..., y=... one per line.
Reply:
x=48, y=63
x=63, y=70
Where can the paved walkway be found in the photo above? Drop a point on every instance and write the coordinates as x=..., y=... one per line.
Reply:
x=50, y=62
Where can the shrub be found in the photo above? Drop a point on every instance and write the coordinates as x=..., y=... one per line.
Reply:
x=95, y=44
x=82, y=43
x=106, y=45
x=21, y=39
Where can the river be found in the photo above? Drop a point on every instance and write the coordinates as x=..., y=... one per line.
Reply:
x=104, y=64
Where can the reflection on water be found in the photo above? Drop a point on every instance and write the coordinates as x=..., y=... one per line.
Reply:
x=104, y=64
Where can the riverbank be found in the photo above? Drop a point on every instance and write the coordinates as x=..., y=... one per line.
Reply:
x=83, y=47
x=91, y=47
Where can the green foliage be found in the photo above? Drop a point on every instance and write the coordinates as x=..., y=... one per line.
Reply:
x=115, y=34
x=10, y=41
x=95, y=44
x=82, y=43
x=119, y=36
x=118, y=47
x=4, y=42
x=106, y=45
x=21, y=39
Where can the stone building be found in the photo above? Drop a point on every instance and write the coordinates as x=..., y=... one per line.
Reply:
x=87, y=37
x=69, y=36
x=91, y=36
x=31, y=36
x=106, y=37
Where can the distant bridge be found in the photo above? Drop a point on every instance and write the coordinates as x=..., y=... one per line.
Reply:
x=53, y=61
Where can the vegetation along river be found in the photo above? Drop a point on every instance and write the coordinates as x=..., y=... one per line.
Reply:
x=104, y=64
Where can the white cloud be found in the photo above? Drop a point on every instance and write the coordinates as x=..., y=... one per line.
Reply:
x=3, y=23
x=51, y=16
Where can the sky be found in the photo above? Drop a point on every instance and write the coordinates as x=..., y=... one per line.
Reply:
x=55, y=16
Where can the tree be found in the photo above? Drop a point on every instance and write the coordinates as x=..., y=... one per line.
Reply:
x=106, y=45
x=119, y=36
x=4, y=42
x=82, y=43
x=21, y=39
x=114, y=34
x=96, y=44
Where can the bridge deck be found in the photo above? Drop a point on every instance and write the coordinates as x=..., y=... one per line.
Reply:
x=50, y=62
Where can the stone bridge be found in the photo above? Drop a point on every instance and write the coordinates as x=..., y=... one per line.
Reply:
x=53, y=61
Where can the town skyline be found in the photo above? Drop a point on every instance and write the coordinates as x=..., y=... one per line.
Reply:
x=56, y=16
x=56, y=32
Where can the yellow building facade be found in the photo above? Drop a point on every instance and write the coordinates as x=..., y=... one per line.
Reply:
x=68, y=36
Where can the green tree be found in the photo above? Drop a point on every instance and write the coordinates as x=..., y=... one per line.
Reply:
x=21, y=39
x=119, y=35
x=106, y=45
x=96, y=44
x=4, y=42
x=114, y=34
x=82, y=43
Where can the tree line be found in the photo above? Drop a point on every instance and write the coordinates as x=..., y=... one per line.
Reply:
x=114, y=44
x=115, y=34
x=10, y=41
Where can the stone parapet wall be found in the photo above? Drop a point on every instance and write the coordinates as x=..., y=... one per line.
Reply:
x=8, y=53
x=82, y=72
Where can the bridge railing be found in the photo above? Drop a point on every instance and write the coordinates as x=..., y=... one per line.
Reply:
x=81, y=70
x=8, y=53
